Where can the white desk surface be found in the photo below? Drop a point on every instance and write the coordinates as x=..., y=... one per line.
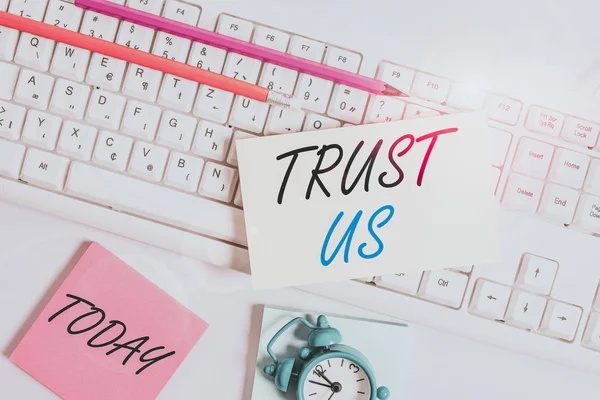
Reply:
x=35, y=248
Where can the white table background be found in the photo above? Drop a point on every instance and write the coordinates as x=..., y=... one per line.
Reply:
x=36, y=248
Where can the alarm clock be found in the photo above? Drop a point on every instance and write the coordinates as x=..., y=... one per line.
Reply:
x=325, y=369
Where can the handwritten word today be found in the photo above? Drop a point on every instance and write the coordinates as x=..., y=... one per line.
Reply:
x=397, y=149
x=92, y=317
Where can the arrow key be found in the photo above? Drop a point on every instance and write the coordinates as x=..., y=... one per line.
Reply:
x=537, y=273
x=489, y=299
x=561, y=320
x=525, y=310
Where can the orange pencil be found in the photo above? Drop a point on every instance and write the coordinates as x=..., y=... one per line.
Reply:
x=146, y=59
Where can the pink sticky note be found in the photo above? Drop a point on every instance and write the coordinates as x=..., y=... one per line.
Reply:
x=107, y=333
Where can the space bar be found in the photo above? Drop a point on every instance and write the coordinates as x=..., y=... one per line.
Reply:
x=155, y=202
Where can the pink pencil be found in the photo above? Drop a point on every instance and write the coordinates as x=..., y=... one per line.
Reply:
x=241, y=47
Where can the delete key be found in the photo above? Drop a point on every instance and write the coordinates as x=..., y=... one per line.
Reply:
x=369, y=200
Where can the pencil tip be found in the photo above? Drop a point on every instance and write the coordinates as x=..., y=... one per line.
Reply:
x=389, y=90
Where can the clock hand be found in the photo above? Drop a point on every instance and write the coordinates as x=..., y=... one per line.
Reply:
x=331, y=396
x=322, y=375
x=322, y=384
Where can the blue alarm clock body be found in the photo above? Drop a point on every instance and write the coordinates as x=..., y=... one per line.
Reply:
x=325, y=368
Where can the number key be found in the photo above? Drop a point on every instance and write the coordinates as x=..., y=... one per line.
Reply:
x=348, y=104
x=278, y=78
x=207, y=57
x=313, y=92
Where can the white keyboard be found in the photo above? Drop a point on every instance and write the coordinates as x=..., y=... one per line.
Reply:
x=152, y=157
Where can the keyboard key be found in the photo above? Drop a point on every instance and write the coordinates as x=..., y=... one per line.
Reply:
x=533, y=158
x=41, y=129
x=558, y=203
x=407, y=283
x=414, y=111
x=64, y=15
x=172, y=47
x=500, y=142
x=99, y=26
x=11, y=120
x=271, y=38
x=69, y=99
x=106, y=72
x=561, y=320
x=283, y=120
x=234, y=27
x=525, y=310
x=232, y=157
x=238, y=200
x=183, y=171
x=9, y=74
x=399, y=77
x=278, y=78
x=384, y=109
x=70, y=62
x=112, y=150
x=212, y=140
x=4, y=5
x=313, y=92
x=569, y=168
x=592, y=181
x=207, y=57
x=430, y=87
x=158, y=203
x=306, y=48
x=213, y=104
x=140, y=120
x=181, y=12
x=28, y=8
x=522, y=193
x=544, y=121
x=241, y=67
x=218, y=181
x=151, y=6
x=314, y=122
x=141, y=82
x=503, y=109
x=465, y=97
x=587, y=216
x=489, y=300
x=342, y=59
x=582, y=132
x=33, y=89
x=176, y=130
x=45, y=169
x=177, y=93
x=148, y=161
x=348, y=104
x=11, y=158
x=591, y=335
x=536, y=273
x=77, y=140
x=135, y=36
x=248, y=114
x=105, y=109
x=34, y=52
x=444, y=287
x=8, y=38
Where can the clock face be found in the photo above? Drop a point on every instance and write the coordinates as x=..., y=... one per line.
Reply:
x=337, y=379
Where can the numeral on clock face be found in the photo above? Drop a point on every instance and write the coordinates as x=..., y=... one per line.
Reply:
x=337, y=378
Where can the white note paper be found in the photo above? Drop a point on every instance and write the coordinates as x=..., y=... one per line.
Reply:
x=368, y=200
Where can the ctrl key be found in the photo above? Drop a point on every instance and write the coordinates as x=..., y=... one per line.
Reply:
x=522, y=193
x=587, y=216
